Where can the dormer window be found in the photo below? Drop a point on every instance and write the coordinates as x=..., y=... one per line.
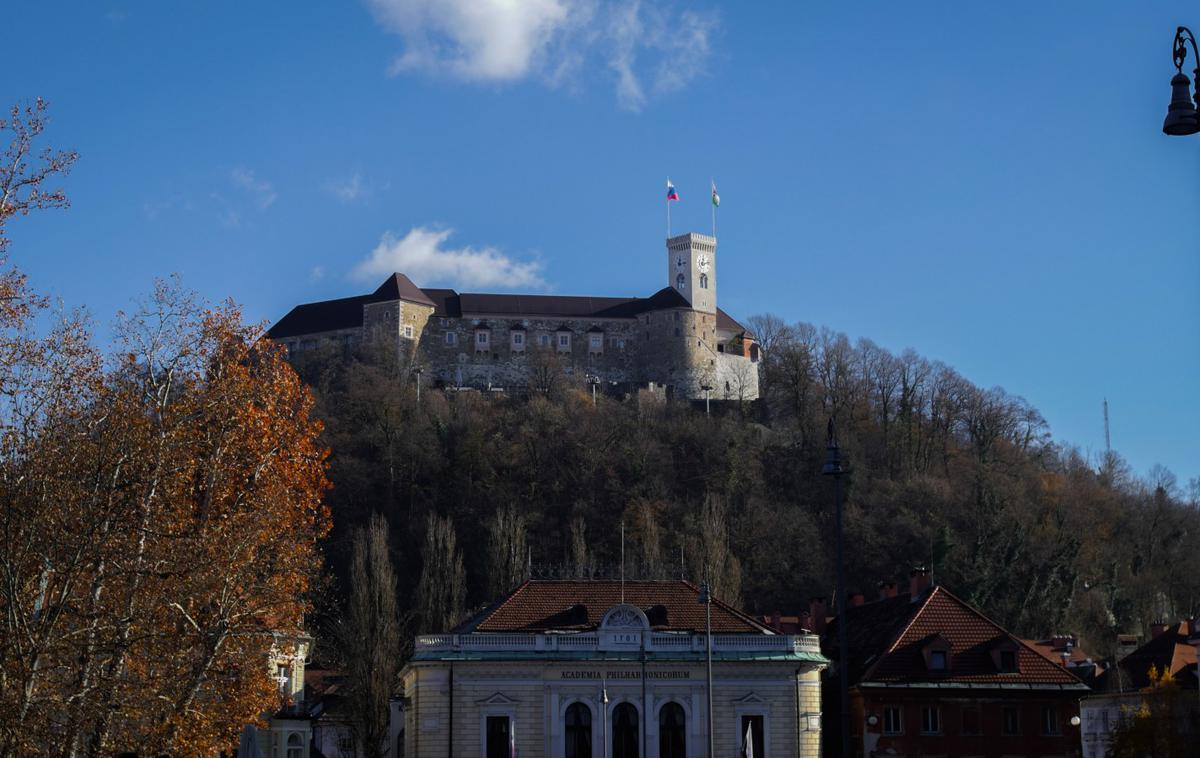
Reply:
x=1004, y=656
x=937, y=654
x=1008, y=661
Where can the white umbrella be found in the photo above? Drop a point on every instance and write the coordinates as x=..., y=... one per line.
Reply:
x=248, y=747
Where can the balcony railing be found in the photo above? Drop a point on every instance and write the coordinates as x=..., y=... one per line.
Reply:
x=657, y=642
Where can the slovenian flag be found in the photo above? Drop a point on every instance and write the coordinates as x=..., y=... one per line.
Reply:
x=716, y=197
x=671, y=193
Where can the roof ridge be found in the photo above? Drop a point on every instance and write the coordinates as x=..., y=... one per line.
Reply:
x=507, y=598
x=891, y=646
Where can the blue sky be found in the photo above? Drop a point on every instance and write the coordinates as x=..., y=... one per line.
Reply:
x=984, y=182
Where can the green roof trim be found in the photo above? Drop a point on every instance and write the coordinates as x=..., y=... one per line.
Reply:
x=651, y=657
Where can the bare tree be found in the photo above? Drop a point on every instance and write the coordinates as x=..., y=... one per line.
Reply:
x=722, y=568
x=371, y=636
x=442, y=589
x=507, y=547
x=583, y=563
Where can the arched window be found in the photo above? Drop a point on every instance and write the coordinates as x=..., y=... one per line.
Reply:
x=295, y=747
x=625, y=731
x=704, y=281
x=671, y=732
x=679, y=280
x=578, y=731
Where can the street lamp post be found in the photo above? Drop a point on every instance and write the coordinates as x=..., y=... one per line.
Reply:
x=833, y=467
x=417, y=371
x=593, y=380
x=1181, y=117
x=706, y=598
x=604, y=714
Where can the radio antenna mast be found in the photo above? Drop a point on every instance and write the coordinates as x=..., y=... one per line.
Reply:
x=1107, y=440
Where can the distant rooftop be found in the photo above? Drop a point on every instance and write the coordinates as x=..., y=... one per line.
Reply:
x=346, y=313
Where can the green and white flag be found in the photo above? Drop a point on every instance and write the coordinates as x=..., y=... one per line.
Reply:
x=716, y=197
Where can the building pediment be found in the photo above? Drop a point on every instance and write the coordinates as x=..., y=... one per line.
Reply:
x=497, y=698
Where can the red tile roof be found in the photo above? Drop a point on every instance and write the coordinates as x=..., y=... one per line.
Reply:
x=887, y=639
x=1169, y=650
x=556, y=605
x=1052, y=649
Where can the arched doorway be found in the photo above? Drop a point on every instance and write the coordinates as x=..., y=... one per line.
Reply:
x=625, y=731
x=671, y=732
x=578, y=732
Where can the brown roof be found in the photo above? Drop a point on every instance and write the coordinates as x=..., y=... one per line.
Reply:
x=570, y=605
x=345, y=313
x=887, y=638
x=400, y=287
x=1169, y=650
x=1052, y=649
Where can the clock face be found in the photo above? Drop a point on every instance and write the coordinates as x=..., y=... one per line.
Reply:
x=702, y=262
x=680, y=262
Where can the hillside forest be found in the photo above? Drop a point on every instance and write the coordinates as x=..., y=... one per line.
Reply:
x=968, y=482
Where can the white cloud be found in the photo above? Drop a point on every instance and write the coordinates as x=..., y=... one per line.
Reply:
x=553, y=40
x=423, y=256
x=316, y=274
x=264, y=194
x=350, y=190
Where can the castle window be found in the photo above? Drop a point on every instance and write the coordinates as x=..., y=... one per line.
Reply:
x=483, y=341
x=704, y=281
x=679, y=280
x=408, y=331
x=676, y=331
x=545, y=340
x=596, y=343
x=518, y=341
x=564, y=342
x=451, y=338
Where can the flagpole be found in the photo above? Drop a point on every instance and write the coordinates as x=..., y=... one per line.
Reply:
x=714, y=206
x=668, y=208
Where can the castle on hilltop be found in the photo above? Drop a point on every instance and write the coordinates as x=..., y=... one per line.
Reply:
x=676, y=339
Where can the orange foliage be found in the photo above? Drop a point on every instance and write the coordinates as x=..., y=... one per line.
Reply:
x=162, y=524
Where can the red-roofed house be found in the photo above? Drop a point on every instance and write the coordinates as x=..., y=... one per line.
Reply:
x=930, y=675
x=1172, y=647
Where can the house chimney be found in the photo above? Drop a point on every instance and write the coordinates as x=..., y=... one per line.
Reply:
x=918, y=582
x=816, y=613
x=857, y=598
x=887, y=589
x=1156, y=629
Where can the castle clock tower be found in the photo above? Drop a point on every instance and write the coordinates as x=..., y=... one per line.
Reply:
x=692, y=269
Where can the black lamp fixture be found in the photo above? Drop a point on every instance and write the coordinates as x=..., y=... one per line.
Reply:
x=1181, y=113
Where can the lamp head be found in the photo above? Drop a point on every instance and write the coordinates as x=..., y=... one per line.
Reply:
x=1181, y=117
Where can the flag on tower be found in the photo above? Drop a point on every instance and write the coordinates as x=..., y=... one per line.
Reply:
x=671, y=193
x=716, y=197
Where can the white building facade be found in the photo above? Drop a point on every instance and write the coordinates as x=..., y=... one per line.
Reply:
x=632, y=683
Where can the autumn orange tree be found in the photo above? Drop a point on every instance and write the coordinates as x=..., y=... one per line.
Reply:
x=159, y=519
